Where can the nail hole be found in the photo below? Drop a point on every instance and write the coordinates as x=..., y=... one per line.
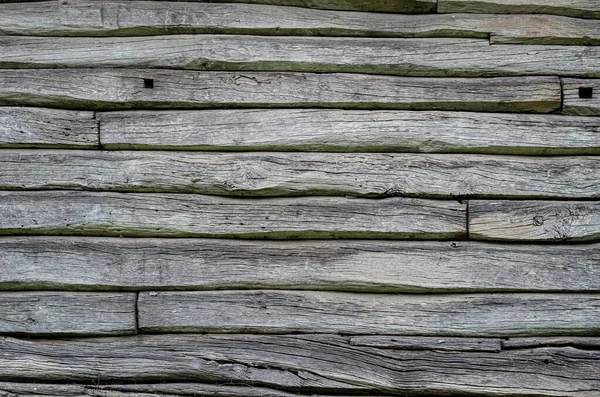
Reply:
x=148, y=83
x=586, y=92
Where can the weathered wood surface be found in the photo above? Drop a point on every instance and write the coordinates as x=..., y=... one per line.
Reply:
x=14, y=389
x=550, y=221
x=39, y=127
x=404, y=57
x=122, y=89
x=532, y=343
x=383, y=266
x=180, y=215
x=270, y=311
x=67, y=313
x=302, y=363
x=133, y=18
x=427, y=343
x=350, y=131
x=573, y=8
x=578, y=102
x=292, y=174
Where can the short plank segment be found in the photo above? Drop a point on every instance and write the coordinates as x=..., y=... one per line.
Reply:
x=311, y=364
x=88, y=263
x=427, y=343
x=350, y=131
x=67, y=313
x=403, y=57
x=285, y=174
x=47, y=128
x=533, y=343
x=135, y=18
x=581, y=97
x=269, y=311
x=551, y=221
x=14, y=389
x=180, y=215
x=123, y=89
x=573, y=8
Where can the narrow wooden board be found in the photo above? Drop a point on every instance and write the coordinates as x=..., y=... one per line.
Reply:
x=573, y=8
x=577, y=100
x=138, y=18
x=123, y=89
x=47, y=128
x=88, y=263
x=67, y=313
x=427, y=343
x=302, y=364
x=403, y=57
x=180, y=215
x=350, y=131
x=293, y=174
x=551, y=221
x=190, y=389
x=17, y=389
x=269, y=311
x=532, y=343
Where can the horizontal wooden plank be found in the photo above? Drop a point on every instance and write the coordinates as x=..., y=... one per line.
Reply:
x=551, y=221
x=581, y=97
x=17, y=389
x=573, y=8
x=47, y=128
x=532, y=343
x=301, y=363
x=133, y=18
x=427, y=343
x=285, y=174
x=67, y=313
x=270, y=311
x=179, y=215
x=189, y=389
x=87, y=263
x=123, y=89
x=403, y=57
x=350, y=131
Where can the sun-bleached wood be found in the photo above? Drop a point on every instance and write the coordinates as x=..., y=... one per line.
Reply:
x=18, y=389
x=90, y=263
x=403, y=57
x=133, y=18
x=427, y=343
x=180, y=215
x=574, y=8
x=271, y=311
x=123, y=89
x=350, y=131
x=301, y=364
x=552, y=221
x=532, y=343
x=574, y=103
x=67, y=313
x=43, y=128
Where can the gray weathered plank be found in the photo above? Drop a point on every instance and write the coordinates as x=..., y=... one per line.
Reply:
x=293, y=174
x=131, y=18
x=67, y=313
x=404, y=57
x=577, y=100
x=573, y=8
x=302, y=363
x=532, y=343
x=47, y=128
x=189, y=389
x=87, y=263
x=179, y=215
x=427, y=343
x=270, y=311
x=350, y=131
x=123, y=89
x=550, y=221
x=17, y=389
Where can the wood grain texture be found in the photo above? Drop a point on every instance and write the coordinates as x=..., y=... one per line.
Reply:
x=47, y=128
x=88, y=263
x=293, y=174
x=551, y=221
x=180, y=215
x=123, y=89
x=67, y=313
x=577, y=103
x=532, y=343
x=135, y=18
x=403, y=57
x=427, y=343
x=302, y=363
x=16, y=389
x=190, y=389
x=573, y=8
x=350, y=131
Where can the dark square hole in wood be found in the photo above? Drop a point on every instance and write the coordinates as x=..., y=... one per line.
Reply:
x=586, y=92
x=148, y=83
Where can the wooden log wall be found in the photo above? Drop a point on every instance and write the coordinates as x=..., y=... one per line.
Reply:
x=286, y=198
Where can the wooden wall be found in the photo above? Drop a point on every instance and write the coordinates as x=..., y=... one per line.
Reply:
x=300, y=198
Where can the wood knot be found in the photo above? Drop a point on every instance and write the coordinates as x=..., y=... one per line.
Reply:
x=538, y=220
